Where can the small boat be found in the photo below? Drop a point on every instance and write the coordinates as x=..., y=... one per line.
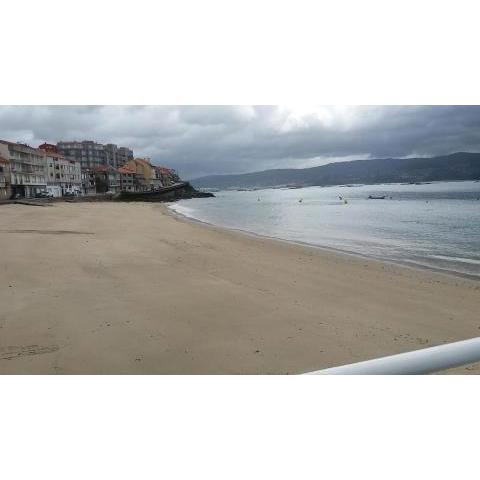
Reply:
x=376, y=197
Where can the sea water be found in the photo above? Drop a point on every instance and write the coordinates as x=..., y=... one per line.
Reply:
x=434, y=225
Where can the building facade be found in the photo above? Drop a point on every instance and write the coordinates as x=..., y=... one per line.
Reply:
x=107, y=179
x=144, y=173
x=124, y=154
x=128, y=182
x=5, y=180
x=89, y=154
x=167, y=176
x=157, y=179
x=92, y=154
x=89, y=186
x=64, y=176
x=117, y=156
x=27, y=168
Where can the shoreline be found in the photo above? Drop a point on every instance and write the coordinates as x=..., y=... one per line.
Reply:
x=131, y=288
x=404, y=263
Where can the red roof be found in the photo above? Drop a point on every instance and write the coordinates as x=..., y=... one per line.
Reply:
x=100, y=168
x=126, y=170
x=105, y=168
x=48, y=147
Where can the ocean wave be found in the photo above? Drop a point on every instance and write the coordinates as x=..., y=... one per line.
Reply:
x=471, y=261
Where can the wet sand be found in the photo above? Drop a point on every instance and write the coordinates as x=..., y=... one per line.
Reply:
x=117, y=288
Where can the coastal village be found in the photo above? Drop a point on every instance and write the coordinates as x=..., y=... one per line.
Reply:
x=76, y=168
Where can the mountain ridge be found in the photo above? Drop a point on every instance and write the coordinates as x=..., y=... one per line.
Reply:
x=455, y=166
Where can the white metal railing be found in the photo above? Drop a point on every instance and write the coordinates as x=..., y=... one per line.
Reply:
x=418, y=362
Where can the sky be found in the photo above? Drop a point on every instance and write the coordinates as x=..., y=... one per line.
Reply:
x=205, y=140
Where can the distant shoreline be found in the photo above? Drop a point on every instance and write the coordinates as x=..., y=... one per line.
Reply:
x=339, y=185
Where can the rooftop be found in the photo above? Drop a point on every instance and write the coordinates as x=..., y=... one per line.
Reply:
x=48, y=147
x=22, y=146
x=126, y=170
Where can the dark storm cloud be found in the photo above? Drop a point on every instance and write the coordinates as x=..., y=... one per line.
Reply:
x=201, y=140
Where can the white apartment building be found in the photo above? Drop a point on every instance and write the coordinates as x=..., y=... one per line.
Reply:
x=63, y=175
x=27, y=168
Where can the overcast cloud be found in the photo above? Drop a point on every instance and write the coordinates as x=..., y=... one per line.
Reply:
x=203, y=140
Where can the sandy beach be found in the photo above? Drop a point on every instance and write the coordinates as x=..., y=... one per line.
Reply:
x=111, y=288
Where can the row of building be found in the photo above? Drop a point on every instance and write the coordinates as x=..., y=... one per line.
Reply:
x=76, y=168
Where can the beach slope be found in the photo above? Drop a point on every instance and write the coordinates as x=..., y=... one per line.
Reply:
x=97, y=288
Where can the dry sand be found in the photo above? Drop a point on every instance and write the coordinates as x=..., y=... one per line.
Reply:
x=128, y=288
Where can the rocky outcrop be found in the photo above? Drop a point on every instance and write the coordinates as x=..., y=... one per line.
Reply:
x=178, y=191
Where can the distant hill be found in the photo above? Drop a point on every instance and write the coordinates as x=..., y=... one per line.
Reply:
x=457, y=166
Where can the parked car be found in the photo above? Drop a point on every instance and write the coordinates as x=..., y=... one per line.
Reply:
x=44, y=194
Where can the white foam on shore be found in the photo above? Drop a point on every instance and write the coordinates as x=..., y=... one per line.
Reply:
x=182, y=210
x=471, y=261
